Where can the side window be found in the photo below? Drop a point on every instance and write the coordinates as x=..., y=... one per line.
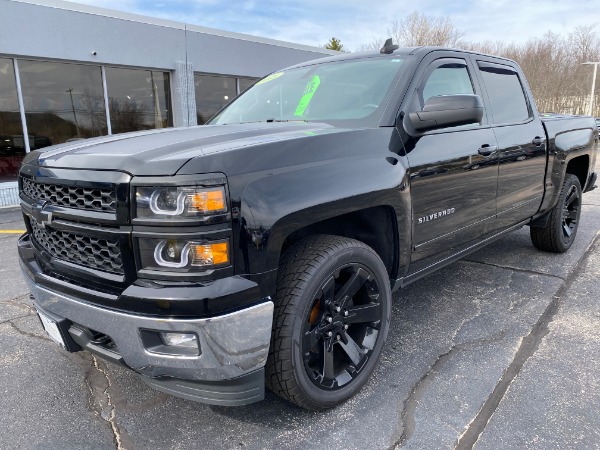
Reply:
x=447, y=79
x=445, y=76
x=507, y=99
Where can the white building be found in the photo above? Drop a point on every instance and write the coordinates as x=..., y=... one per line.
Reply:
x=70, y=71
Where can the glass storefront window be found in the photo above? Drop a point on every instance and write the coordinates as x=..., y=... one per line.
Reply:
x=212, y=94
x=12, y=144
x=138, y=99
x=245, y=83
x=63, y=102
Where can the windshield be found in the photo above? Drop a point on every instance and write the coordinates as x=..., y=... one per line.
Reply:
x=349, y=92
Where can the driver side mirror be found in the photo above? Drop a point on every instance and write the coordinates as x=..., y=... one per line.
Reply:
x=448, y=110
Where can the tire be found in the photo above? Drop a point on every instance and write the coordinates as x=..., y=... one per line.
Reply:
x=560, y=232
x=324, y=284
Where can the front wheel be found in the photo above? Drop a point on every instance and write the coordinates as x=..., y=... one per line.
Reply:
x=559, y=234
x=330, y=323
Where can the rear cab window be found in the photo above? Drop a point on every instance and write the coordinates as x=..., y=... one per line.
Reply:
x=507, y=100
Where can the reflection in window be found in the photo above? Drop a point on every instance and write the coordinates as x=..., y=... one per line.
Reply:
x=352, y=91
x=506, y=95
x=446, y=80
x=212, y=94
x=62, y=102
x=12, y=144
x=138, y=99
x=245, y=83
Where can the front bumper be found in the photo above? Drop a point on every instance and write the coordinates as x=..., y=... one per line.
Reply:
x=233, y=346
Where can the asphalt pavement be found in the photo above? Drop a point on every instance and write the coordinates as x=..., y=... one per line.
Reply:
x=500, y=350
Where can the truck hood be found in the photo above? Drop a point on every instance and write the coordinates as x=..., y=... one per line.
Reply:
x=164, y=152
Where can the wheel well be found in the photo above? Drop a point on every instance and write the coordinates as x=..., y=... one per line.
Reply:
x=579, y=167
x=375, y=226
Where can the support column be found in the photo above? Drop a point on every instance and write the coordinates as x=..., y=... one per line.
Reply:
x=184, y=95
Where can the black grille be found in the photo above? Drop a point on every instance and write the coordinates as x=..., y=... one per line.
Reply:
x=94, y=252
x=71, y=196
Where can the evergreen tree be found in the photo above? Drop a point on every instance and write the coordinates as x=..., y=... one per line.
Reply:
x=334, y=44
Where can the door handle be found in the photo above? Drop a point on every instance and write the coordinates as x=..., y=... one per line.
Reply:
x=487, y=150
x=538, y=141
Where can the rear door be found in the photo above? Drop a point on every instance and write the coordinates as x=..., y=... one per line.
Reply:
x=453, y=186
x=521, y=142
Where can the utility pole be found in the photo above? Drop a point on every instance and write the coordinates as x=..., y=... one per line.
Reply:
x=591, y=105
x=70, y=91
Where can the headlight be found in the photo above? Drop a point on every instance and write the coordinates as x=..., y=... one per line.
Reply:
x=171, y=202
x=183, y=256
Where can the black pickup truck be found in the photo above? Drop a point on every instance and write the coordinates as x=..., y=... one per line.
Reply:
x=264, y=247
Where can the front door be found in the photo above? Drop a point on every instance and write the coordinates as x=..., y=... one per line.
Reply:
x=453, y=173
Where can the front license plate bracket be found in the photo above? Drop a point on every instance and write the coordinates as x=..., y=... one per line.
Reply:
x=58, y=330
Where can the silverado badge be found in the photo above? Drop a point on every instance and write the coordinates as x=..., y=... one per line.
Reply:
x=436, y=215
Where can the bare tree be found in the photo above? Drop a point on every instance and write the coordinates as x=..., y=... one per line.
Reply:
x=553, y=64
x=92, y=113
x=374, y=45
x=417, y=29
x=584, y=41
x=127, y=115
x=553, y=67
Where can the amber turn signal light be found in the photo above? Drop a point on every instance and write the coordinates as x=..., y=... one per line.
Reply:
x=214, y=254
x=207, y=201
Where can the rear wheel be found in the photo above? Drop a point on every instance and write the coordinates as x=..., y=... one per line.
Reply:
x=331, y=320
x=559, y=234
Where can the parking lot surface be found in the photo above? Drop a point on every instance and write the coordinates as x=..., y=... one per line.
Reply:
x=500, y=350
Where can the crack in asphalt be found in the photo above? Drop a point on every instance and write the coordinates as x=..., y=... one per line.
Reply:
x=30, y=313
x=97, y=380
x=27, y=333
x=477, y=303
x=101, y=402
x=14, y=318
x=515, y=269
x=410, y=403
x=528, y=347
x=15, y=302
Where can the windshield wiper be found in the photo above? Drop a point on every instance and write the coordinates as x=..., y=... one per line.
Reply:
x=285, y=120
x=266, y=120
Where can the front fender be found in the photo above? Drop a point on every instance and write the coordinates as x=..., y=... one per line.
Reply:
x=275, y=206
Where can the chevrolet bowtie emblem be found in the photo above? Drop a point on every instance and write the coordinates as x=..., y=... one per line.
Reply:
x=42, y=217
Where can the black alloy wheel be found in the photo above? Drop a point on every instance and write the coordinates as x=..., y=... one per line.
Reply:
x=559, y=233
x=342, y=326
x=570, y=212
x=331, y=318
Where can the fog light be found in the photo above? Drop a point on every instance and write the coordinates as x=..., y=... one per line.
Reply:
x=187, y=340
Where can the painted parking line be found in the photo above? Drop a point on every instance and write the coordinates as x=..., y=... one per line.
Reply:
x=12, y=231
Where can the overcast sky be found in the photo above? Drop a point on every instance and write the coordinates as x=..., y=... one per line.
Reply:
x=357, y=22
